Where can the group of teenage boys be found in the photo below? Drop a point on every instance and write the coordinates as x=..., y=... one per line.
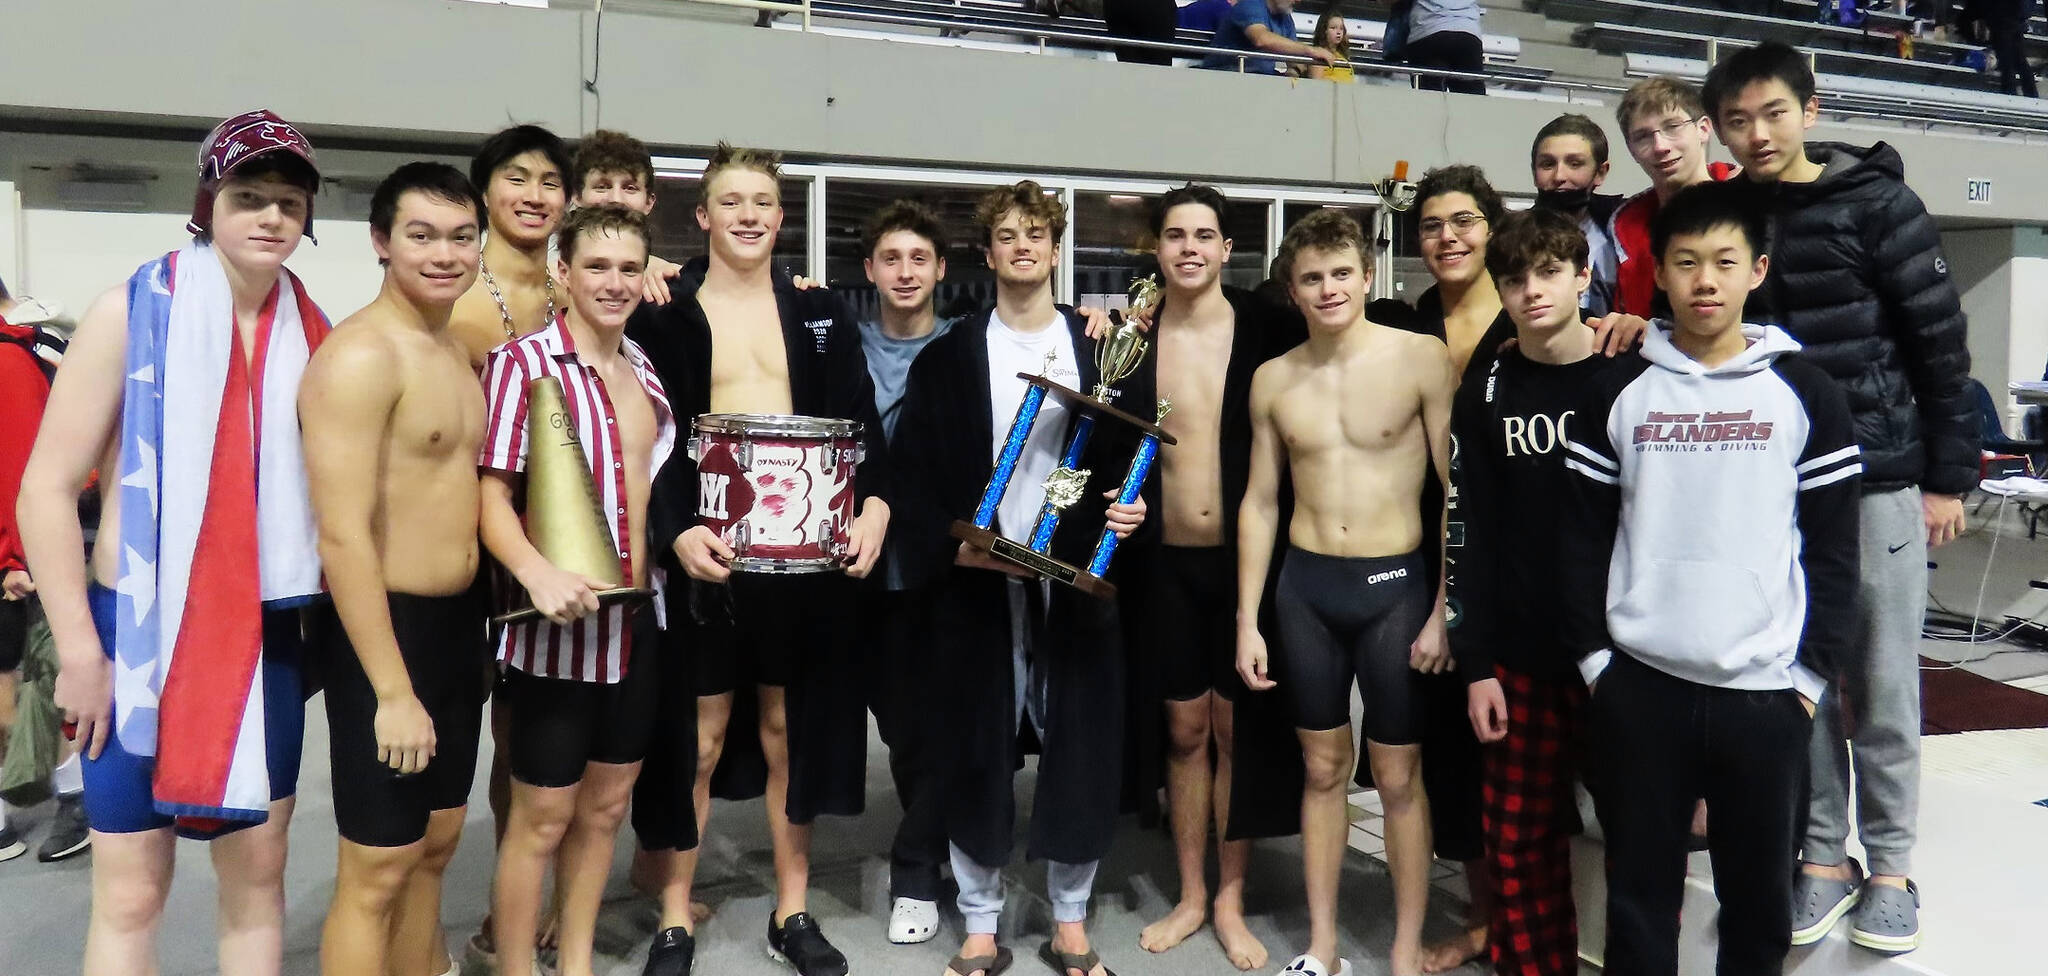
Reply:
x=1653, y=570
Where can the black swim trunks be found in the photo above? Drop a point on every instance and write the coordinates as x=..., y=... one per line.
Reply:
x=1345, y=619
x=442, y=642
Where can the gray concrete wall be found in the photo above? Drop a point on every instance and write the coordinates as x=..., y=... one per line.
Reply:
x=452, y=71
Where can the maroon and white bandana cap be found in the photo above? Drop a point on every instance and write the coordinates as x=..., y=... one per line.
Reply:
x=235, y=142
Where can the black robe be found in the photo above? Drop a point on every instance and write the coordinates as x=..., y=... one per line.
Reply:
x=827, y=711
x=1265, y=751
x=944, y=437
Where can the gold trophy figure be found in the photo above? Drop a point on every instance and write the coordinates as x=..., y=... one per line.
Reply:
x=564, y=518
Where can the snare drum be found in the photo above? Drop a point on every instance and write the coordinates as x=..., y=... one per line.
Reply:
x=777, y=489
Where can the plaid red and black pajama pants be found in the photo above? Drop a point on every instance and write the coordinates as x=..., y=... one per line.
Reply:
x=1530, y=815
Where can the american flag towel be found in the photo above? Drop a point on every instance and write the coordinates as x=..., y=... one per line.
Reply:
x=215, y=527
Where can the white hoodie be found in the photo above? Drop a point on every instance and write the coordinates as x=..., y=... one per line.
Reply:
x=1723, y=503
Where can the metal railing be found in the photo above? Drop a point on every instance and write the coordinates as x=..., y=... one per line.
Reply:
x=1909, y=111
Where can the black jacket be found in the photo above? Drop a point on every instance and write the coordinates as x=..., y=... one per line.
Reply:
x=1265, y=743
x=1857, y=276
x=946, y=432
x=828, y=377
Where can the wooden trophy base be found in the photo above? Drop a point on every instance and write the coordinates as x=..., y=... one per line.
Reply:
x=605, y=598
x=1016, y=553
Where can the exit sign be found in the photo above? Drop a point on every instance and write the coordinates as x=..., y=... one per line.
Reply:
x=1980, y=191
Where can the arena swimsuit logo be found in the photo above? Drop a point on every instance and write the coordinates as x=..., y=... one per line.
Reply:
x=1732, y=431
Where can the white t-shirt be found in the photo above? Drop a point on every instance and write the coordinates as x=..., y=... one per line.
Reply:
x=1011, y=352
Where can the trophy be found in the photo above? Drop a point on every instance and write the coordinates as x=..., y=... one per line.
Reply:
x=1117, y=355
x=564, y=518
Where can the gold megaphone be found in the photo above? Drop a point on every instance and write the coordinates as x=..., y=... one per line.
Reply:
x=564, y=518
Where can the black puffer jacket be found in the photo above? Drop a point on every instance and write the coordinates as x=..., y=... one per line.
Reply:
x=1857, y=276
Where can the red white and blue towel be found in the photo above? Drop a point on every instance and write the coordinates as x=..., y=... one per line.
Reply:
x=216, y=526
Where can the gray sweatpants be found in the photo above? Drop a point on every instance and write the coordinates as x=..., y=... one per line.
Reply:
x=1879, y=684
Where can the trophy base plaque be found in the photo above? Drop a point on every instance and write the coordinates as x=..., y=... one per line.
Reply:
x=1021, y=555
x=605, y=598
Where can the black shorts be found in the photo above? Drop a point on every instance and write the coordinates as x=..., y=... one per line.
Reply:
x=560, y=725
x=757, y=628
x=1345, y=619
x=442, y=642
x=1191, y=622
x=13, y=633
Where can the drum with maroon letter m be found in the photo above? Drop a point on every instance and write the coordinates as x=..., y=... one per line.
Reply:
x=777, y=489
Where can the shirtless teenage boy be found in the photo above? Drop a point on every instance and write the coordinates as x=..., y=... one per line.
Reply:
x=523, y=173
x=737, y=338
x=228, y=596
x=1357, y=415
x=391, y=421
x=1181, y=592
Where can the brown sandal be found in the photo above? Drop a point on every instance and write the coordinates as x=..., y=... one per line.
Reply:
x=1061, y=962
x=991, y=965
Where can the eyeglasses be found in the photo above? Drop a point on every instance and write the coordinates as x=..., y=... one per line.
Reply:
x=1460, y=222
x=1669, y=130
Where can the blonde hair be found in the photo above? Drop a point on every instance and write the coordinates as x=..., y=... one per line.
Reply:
x=767, y=162
x=1655, y=96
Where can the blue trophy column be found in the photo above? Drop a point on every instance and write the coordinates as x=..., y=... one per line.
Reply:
x=1006, y=462
x=1048, y=516
x=1141, y=465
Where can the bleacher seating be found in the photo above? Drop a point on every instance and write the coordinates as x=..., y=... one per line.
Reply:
x=1860, y=70
x=1906, y=101
x=1711, y=21
x=1627, y=39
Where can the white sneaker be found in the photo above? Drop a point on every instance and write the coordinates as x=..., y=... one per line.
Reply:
x=912, y=921
x=1306, y=965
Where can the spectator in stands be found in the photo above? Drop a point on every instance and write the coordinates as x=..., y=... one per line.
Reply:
x=1445, y=34
x=1666, y=128
x=1146, y=20
x=1333, y=34
x=1857, y=276
x=2007, y=22
x=1261, y=25
x=1568, y=161
x=1206, y=15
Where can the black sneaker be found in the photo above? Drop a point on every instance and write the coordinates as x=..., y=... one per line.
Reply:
x=673, y=953
x=800, y=943
x=68, y=834
x=11, y=847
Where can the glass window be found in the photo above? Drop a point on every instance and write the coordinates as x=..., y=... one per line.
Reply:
x=677, y=237
x=1113, y=245
x=849, y=205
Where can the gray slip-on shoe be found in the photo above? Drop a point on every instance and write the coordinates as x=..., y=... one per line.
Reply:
x=1887, y=919
x=1818, y=903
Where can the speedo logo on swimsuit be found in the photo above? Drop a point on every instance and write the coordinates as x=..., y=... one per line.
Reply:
x=1392, y=574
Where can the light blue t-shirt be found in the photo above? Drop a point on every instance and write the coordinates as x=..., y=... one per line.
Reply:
x=889, y=362
x=1233, y=34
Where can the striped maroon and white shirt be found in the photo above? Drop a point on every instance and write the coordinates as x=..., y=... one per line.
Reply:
x=596, y=647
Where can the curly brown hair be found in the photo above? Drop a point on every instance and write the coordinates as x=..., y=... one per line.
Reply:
x=1323, y=230
x=1461, y=178
x=1034, y=206
x=611, y=151
x=608, y=219
x=727, y=156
